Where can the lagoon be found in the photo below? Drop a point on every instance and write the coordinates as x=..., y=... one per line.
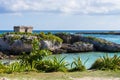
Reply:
x=92, y=55
x=85, y=55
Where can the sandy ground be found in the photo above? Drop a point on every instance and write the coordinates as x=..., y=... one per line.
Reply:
x=84, y=78
x=95, y=78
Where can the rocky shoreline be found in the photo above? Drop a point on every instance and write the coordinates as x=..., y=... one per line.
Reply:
x=78, y=43
x=72, y=43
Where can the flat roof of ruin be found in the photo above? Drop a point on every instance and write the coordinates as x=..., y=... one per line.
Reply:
x=22, y=27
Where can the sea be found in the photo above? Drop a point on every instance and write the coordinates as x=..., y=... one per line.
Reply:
x=66, y=31
x=91, y=56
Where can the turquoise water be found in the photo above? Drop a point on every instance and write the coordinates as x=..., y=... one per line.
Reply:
x=112, y=38
x=92, y=55
x=85, y=55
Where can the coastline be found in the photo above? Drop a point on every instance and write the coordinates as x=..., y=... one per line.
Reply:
x=105, y=32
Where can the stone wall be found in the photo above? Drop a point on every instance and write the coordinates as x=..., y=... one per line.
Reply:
x=23, y=29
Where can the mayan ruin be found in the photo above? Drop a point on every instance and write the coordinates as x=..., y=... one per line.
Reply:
x=27, y=29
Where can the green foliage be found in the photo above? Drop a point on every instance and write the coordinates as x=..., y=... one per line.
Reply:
x=13, y=38
x=59, y=64
x=2, y=68
x=17, y=67
x=107, y=63
x=80, y=42
x=1, y=35
x=102, y=41
x=52, y=65
x=77, y=65
x=63, y=33
x=50, y=36
x=49, y=33
x=34, y=56
x=21, y=33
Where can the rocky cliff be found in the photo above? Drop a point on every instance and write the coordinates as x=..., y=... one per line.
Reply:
x=71, y=43
x=93, y=43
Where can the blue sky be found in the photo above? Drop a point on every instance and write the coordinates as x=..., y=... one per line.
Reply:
x=61, y=14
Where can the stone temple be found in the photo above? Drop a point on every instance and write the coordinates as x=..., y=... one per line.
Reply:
x=27, y=29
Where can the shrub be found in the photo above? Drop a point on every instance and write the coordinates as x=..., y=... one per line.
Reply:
x=2, y=68
x=107, y=63
x=13, y=38
x=52, y=65
x=102, y=41
x=77, y=65
x=21, y=33
x=35, y=56
x=1, y=35
x=49, y=36
x=17, y=67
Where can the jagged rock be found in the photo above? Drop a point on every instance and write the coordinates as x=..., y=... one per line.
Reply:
x=65, y=37
x=59, y=50
x=101, y=44
x=19, y=47
x=78, y=47
x=4, y=45
x=51, y=45
x=71, y=43
x=68, y=38
x=1, y=55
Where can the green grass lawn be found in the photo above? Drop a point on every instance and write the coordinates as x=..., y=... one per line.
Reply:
x=59, y=75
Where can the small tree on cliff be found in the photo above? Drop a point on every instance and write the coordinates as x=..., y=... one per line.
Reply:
x=34, y=56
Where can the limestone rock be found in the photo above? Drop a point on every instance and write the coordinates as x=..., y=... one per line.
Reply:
x=51, y=45
x=78, y=47
x=102, y=44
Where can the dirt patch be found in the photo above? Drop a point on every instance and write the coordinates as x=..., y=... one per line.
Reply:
x=95, y=78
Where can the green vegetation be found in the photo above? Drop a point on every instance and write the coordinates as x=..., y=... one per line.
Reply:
x=36, y=59
x=102, y=41
x=53, y=65
x=63, y=33
x=16, y=67
x=80, y=42
x=77, y=65
x=13, y=38
x=34, y=56
x=21, y=33
x=49, y=36
x=40, y=36
x=1, y=35
x=2, y=68
x=26, y=62
x=107, y=63
x=38, y=62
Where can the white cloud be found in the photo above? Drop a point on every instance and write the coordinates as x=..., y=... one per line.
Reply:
x=61, y=6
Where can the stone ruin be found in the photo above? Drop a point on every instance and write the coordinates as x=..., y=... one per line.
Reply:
x=27, y=29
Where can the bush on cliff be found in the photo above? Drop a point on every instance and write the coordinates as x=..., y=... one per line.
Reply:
x=1, y=35
x=21, y=33
x=51, y=37
x=13, y=38
x=102, y=41
x=34, y=56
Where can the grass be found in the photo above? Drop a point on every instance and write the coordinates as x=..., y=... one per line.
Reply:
x=78, y=66
x=52, y=65
x=59, y=75
x=107, y=63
